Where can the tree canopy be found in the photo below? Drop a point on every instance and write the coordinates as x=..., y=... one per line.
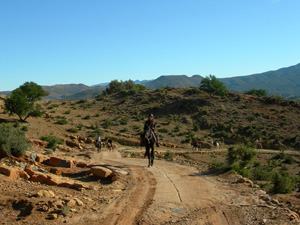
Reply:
x=116, y=86
x=212, y=85
x=22, y=101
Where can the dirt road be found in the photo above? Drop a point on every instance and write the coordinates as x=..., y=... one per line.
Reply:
x=169, y=193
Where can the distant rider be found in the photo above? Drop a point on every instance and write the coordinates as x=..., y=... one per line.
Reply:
x=150, y=123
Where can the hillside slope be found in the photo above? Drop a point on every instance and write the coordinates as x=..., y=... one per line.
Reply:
x=174, y=81
x=284, y=81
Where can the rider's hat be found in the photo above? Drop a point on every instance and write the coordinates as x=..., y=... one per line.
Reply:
x=150, y=115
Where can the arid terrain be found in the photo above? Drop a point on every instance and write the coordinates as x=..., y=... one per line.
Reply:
x=73, y=183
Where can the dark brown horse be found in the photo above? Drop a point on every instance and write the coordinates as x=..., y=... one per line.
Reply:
x=149, y=141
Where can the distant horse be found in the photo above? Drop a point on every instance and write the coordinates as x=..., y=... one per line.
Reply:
x=215, y=143
x=110, y=145
x=258, y=144
x=98, y=143
x=196, y=145
x=149, y=142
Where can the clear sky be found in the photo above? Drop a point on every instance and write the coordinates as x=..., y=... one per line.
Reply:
x=95, y=41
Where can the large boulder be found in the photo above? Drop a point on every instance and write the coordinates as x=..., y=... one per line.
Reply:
x=60, y=162
x=14, y=173
x=101, y=172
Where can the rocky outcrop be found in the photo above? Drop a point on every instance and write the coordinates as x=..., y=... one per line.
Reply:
x=14, y=173
x=60, y=162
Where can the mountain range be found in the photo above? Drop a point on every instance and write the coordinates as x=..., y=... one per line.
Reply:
x=284, y=82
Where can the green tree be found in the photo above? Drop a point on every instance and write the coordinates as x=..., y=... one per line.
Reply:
x=256, y=92
x=22, y=101
x=212, y=85
x=115, y=86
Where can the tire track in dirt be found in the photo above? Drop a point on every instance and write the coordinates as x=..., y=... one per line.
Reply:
x=134, y=201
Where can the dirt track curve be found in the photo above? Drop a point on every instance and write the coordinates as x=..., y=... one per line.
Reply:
x=170, y=193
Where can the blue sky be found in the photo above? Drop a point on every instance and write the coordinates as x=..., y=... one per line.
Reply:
x=95, y=41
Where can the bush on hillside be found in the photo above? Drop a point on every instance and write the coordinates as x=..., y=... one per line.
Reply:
x=241, y=154
x=283, y=183
x=256, y=92
x=213, y=86
x=52, y=141
x=126, y=86
x=12, y=141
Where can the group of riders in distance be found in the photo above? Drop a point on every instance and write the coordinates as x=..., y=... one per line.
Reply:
x=148, y=138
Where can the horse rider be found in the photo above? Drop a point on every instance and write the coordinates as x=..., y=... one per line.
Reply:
x=150, y=123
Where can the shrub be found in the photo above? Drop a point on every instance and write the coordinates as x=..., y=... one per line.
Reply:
x=65, y=210
x=283, y=183
x=163, y=130
x=52, y=141
x=67, y=112
x=87, y=117
x=256, y=92
x=24, y=128
x=242, y=154
x=169, y=156
x=107, y=123
x=124, y=121
x=12, y=141
x=62, y=121
x=48, y=152
x=72, y=130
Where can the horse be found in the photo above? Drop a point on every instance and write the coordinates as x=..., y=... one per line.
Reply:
x=150, y=140
x=215, y=143
x=196, y=145
x=98, y=143
x=110, y=145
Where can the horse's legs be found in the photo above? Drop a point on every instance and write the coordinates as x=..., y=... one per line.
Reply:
x=152, y=154
x=148, y=154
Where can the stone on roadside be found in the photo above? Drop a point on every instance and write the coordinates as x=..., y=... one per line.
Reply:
x=45, y=193
x=101, y=172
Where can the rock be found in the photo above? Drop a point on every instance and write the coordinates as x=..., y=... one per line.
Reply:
x=53, y=216
x=51, y=180
x=56, y=161
x=293, y=216
x=58, y=203
x=266, y=197
x=56, y=171
x=64, y=148
x=42, y=170
x=73, y=144
x=71, y=203
x=40, y=158
x=89, y=140
x=14, y=173
x=101, y=172
x=275, y=201
x=45, y=193
x=78, y=202
x=22, y=165
x=41, y=178
x=33, y=156
x=39, y=143
x=81, y=164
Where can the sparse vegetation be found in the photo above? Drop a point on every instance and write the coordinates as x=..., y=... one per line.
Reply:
x=12, y=141
x=52, y=141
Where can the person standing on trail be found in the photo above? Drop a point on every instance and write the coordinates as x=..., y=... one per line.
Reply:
x=150, y=123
